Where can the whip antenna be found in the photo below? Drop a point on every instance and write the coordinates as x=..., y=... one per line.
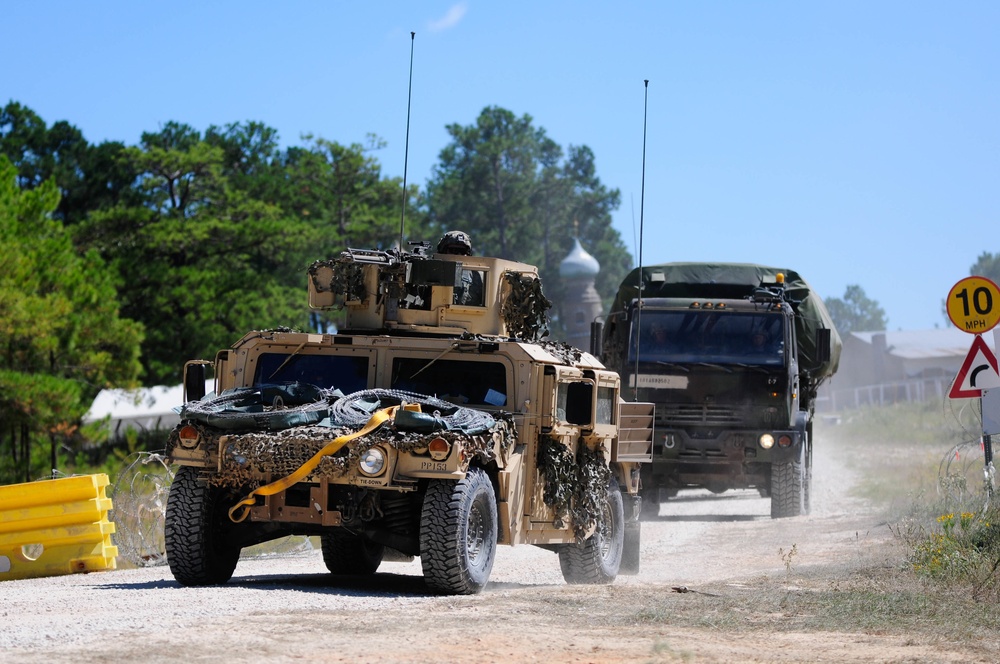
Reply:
x=642, y=202
x=406, y=149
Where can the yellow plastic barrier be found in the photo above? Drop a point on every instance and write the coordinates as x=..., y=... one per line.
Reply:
x=54, y=527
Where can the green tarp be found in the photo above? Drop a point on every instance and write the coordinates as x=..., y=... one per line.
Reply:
x=736, y=281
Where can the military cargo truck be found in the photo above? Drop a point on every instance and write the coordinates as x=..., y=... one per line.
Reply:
x=732, y=356
x=432, y=424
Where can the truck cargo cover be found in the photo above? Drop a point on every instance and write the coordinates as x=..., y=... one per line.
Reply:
x=736, y=281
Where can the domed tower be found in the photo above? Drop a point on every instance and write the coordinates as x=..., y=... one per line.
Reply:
x=581, y=304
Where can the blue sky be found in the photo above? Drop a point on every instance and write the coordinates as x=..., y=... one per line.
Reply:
x=856, y=142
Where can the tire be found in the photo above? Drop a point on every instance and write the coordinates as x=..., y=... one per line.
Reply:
x=346, y=553
x=789, y=487
x=650, y=510
x=195, y=532
x=598, y=559
x=458, y=534
x=630, y=549
x=807, y=478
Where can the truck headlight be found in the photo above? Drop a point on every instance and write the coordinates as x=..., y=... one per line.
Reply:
x=372, y=462
x=766, y=441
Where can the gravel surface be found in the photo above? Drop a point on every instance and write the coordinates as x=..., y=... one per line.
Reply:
x=287, y=608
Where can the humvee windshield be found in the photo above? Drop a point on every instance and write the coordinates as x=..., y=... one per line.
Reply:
x=345, y=373
x=460, y=382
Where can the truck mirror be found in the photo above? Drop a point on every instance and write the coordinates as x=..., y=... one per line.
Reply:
x=823, y=345
x=596, y=332
x=194, y=382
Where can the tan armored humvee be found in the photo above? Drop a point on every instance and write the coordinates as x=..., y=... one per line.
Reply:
x=435, y=424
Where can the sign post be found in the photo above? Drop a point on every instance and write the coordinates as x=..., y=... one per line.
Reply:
x=974, y=306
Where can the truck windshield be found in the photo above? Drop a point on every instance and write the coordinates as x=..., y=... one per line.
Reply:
x=709, y=336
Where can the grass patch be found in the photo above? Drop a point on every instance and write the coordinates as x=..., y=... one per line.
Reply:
x=923, y=464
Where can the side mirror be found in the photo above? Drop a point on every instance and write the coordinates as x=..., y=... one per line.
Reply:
x=824, y=345
x=596, y=333
x=194, y=381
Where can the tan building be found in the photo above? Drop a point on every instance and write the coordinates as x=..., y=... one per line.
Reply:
x=893, y=366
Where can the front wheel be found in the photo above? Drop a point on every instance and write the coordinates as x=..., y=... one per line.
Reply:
x=458, y=534
x=195, y=531
x=790, y=486
x=597, y=559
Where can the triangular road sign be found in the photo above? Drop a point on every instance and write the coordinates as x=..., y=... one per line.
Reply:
x=978, y=372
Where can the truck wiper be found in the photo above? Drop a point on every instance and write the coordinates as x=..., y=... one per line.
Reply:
x=673, y=365
x=751, y=367
x=714, y=366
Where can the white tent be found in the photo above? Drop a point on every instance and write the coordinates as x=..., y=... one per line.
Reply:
x=145, y=409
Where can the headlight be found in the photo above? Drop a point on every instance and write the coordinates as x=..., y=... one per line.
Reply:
x=372, y=462
x=766, y=441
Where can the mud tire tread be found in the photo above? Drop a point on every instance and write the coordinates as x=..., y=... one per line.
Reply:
x=449, y=509
x=197, y=551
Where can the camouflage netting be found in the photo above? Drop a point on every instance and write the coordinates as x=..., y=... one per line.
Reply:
x=248, y=458
x=563, y=351
x=574, y=488
x=524, y=311
x=266, y=436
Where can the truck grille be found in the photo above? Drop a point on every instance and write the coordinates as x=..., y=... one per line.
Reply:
x=693, y=414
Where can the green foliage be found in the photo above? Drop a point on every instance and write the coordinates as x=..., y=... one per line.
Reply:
x=856, y=312
x=201, y=261
x=987, y=265
x=63, y=337
x=88, y=177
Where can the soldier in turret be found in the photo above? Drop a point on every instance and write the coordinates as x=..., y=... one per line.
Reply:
x=470, y=293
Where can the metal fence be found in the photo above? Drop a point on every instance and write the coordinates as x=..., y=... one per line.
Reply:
x=917, y=389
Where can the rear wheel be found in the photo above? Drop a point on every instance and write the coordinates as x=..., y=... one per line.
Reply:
x=458, y=534
x=195, y=531
x=346, y=553
x=630, y=548
x=598, y=558
x=650, y=509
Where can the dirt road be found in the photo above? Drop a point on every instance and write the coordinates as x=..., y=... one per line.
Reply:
x=725, y=551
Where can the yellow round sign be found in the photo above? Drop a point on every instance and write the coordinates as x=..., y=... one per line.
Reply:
x=974, y=305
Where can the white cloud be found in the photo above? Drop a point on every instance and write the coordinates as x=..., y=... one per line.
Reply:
x=450, y=19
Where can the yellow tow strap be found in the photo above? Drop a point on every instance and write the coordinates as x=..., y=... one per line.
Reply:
x=376, y=420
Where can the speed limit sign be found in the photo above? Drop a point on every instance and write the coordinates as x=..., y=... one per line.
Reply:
x=974, y=305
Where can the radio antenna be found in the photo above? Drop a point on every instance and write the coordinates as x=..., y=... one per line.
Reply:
x=642, y=205
x=406, y=150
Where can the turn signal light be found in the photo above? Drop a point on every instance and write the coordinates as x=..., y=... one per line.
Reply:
x=439, y=448
x=188, y=436
x=784, y=441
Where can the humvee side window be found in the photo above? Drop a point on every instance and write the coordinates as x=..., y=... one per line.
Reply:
x=460, y=382
x=606, y=405
x=345, y=373
x=573, y=401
